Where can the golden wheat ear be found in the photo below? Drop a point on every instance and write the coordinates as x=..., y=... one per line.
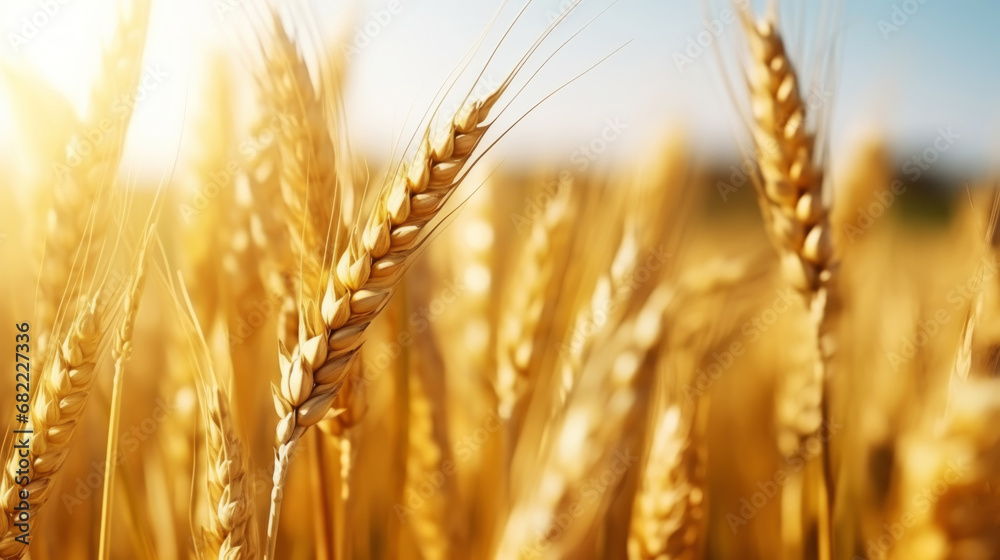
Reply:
x=332, y=330
x=521, y=314
x=599, y=412
x=62, y=391
x=791, y=190
x=310, y=186
x=669, y=502
x=231, y=533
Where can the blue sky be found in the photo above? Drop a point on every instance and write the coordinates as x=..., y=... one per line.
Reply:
x=939, y=69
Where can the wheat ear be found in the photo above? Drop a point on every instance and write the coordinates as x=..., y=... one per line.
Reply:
x=428, y=453
x=309, y=184
x=121, y=352
x=521, y=316
x=957, y=456
x=74, y=231
x=261, y=172
x=61, y=397
x=791, y=193
x=231, y=533
x=669, y=499
x=365, y=277
x=597, y=413
x=607, y=303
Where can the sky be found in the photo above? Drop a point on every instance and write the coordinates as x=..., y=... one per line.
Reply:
x=905, y=69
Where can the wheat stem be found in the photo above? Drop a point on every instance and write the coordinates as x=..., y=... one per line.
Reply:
x=121, y=352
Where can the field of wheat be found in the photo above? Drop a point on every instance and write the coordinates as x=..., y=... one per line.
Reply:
x=288, y=348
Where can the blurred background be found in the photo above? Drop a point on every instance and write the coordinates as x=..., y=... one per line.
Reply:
x=908, y=89
x=902, y=74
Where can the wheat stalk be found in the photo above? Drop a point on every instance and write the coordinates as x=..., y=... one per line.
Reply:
x=366, y=275
x=597, y=413
x=58, y=406
x=521, y=316
x=791, y=194
x=607, y=303
x=122, y=353
x=231, y=533
x=309, y=184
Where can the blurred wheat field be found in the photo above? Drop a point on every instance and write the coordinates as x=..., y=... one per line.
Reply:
x=288, y=348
